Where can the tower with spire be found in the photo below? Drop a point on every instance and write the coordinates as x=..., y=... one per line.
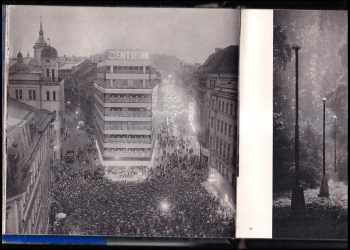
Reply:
x=40, y=43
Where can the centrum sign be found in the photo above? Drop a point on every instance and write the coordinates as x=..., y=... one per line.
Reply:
x=130, y=55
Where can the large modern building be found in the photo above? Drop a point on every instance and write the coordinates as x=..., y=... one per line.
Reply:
x=217, y=94
x=30, y=141
x=125, y=98
x=35, y=82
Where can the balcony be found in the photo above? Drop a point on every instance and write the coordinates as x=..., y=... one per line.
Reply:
x=129, y=72
x=127, y=132
x=128, y=113
x=128, y=99
x=128, y=145
x=127, y=153
x=122, y=85
x=127, y=127
x=128, y=140
x=106, y=90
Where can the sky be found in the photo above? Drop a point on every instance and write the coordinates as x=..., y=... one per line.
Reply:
x=190, y=34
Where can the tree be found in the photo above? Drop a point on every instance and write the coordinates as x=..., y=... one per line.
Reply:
x=282, y=139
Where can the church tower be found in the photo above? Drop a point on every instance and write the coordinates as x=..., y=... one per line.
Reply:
x=40, y=43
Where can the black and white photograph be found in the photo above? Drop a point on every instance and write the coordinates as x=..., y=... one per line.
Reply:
x=123, y=121
x=310, y=156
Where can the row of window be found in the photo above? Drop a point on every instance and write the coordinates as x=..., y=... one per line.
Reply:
x=53, y=77
x=117, y=68
x=221, y=126
x=128, y=150
x=128, y=113
x=32, y=95
x=221, y=148
x=125, y=83
x=222, y=105
x=41, y=154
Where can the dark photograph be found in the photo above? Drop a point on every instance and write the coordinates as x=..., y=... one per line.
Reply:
x=310, y=168
x=121, y=121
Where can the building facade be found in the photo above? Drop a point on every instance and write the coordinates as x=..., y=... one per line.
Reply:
x=223, y=139
x=125, y=97
x=217, y=95
x=30, y=141
x=36, y=83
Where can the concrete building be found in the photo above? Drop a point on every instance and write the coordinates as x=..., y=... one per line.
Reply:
x=37, y=84
x=125, y=98
x=30, y=141
x=217, y=94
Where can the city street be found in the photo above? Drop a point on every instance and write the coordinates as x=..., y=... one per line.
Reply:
x=171, y=202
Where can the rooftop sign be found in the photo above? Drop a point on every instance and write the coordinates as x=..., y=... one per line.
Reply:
x=130, y=55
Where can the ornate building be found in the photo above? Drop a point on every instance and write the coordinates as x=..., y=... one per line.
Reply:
x=29, y=140
x=36, y=83
x=125, y=96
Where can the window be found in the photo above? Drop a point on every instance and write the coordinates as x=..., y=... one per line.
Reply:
x=217, y=125
x=220, y=152
x=17, y=94
x=230, y=130
x=20, y=94
x=222, y=127
x=34, y=95
x=30, y=97
x=54, y=95
x=48, y=95
x=231, y=109
x=228, y=151
x=53, y=74
x=224, y=151
x=47, y=73
x=225, y=130
x=227, y=107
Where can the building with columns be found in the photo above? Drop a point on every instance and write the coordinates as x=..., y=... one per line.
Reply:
x=35, y=81
x=125, y=97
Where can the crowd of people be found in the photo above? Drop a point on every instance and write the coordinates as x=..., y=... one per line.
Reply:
x=171, y=202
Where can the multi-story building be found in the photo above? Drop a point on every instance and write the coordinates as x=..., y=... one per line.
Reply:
x=218, y=97
x=36, y=83
x=29, y=140
x=125, y=98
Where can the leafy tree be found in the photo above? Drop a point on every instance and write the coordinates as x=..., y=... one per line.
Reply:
x=281, y=107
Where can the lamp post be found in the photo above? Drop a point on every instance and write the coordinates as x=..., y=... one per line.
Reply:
x=335, y=143
x=298, y=199
x=324, y=191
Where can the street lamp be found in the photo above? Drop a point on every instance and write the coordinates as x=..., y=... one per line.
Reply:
x=335, y=143
x=324, y=191
x=298, y=199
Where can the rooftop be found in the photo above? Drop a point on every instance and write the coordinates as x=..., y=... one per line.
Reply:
x=222, y=61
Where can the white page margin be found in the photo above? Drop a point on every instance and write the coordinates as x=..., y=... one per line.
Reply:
x=254, y=184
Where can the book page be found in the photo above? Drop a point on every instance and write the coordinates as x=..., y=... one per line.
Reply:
x=310, y=124
x=254, y=184
x=121, y=121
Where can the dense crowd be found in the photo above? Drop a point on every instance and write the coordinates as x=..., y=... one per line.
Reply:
x=171, y=202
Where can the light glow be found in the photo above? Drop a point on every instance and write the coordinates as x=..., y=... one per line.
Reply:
x=164, y=206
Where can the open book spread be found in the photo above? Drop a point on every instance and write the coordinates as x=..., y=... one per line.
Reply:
x=169, y=122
